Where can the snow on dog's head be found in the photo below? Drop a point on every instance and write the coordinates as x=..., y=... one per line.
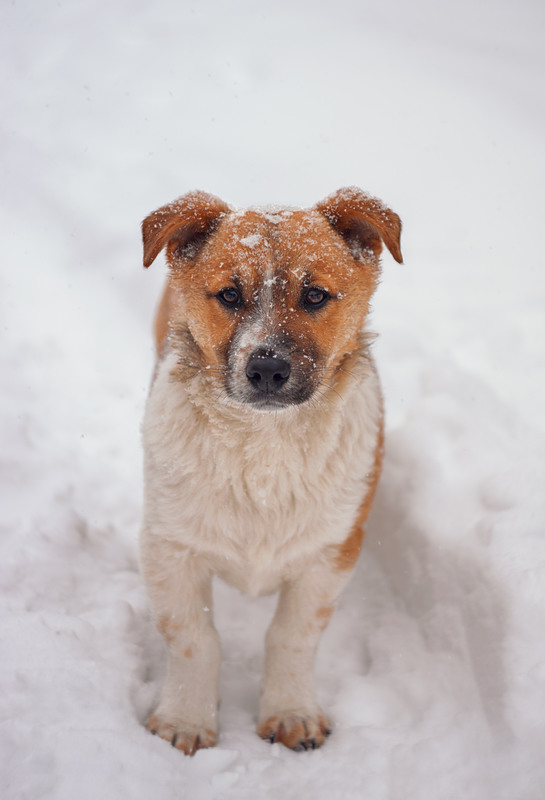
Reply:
x=271, y=300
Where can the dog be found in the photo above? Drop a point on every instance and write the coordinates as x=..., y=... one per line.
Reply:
x=263, y=440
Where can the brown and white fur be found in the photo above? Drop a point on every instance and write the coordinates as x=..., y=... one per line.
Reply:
x=263, y=440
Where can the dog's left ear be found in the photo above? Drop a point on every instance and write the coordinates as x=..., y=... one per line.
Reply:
x=186, y=221
x=363, y=221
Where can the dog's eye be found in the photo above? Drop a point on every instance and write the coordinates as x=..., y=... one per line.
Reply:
x=315, y=297
x=229, y=297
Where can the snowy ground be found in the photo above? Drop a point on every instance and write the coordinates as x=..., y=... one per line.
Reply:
x=434, y=666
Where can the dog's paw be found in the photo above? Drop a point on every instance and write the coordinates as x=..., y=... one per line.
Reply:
x=296, y=730
x=182, y=736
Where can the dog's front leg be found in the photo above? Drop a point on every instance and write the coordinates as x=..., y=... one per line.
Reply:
x=180, y=589
x=288, y=710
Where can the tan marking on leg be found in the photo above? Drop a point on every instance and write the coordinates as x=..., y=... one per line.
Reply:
x=324, y=615
x=168, y=628
x=188, y=652
x=324, y=612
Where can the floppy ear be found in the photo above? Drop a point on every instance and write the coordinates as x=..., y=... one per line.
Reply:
x=185, y=221
x=363, y=221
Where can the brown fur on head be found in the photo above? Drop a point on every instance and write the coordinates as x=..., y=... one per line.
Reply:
x=270, y=301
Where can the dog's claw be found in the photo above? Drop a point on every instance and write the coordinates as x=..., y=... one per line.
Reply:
x=187, y=738
x=296, y=730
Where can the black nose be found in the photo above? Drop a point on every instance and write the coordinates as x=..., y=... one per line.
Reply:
x=267, y=374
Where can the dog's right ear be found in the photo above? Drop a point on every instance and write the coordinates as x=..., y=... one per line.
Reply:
x=185, y=221
x=363, y=221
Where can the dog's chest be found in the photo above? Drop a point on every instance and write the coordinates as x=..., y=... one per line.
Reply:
x=256, y=492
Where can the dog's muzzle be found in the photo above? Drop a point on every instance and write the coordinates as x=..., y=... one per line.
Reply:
x=271, y=378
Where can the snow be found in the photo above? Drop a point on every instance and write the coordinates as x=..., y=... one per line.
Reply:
x=252, y=240
x=433, y=667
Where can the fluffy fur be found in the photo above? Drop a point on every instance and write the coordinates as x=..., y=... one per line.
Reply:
x=262, y=440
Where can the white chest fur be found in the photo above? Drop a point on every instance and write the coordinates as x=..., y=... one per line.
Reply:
x=255, y=493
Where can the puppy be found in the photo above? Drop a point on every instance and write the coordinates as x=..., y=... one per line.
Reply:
x=263, y=440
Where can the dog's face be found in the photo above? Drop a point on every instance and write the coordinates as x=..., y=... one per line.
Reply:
x=273, y=300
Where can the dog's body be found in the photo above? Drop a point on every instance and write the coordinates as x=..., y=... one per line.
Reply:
x=262, y=438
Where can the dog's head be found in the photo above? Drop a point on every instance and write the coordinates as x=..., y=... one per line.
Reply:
x=272, y=300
